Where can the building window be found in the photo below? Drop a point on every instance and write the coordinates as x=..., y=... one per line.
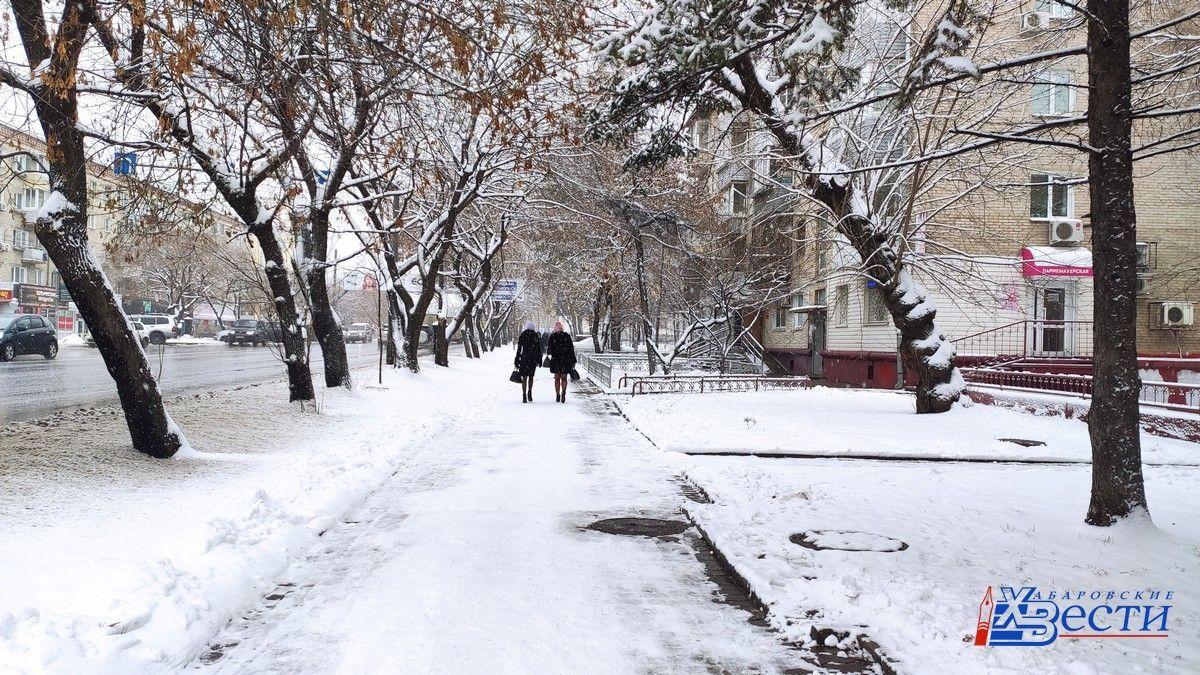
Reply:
x=1054, y=8
x=1049, y=196
x=17, y=274
x=780, y=317
x=30, y=198
x=798, y=317
x=875, y=311
x=1052, y=94
x=739, y=135
x=739, y=197
x=841, y=305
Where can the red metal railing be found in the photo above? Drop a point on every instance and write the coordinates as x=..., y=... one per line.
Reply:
x=1031, y=337
x=711, y=384
x=1171, y=395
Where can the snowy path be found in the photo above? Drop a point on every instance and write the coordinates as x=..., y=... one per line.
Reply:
x=473, y=558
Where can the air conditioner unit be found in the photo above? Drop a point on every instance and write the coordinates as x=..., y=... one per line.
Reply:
x=1065, y=231
x=1176, y=314
x=1143, y=285
x=1035, y=20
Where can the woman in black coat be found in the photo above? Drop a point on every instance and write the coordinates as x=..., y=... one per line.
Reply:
x=529, y=357
x=561, y=351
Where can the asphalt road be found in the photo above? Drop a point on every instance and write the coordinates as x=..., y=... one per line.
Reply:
x=32, y=387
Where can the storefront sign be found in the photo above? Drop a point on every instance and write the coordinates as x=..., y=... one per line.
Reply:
x=29, y=294
x=1048, y=261
x=6, y=295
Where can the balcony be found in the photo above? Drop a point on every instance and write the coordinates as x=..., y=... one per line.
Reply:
x=32, y=254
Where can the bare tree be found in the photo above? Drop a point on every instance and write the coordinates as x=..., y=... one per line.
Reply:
x=53, y=86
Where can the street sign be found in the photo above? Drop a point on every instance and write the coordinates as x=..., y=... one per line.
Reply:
x=125, y=163
x=506, y=290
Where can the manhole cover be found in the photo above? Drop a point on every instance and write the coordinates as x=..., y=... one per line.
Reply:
x=639, y=527
x=1024, y=442
x=841, y=540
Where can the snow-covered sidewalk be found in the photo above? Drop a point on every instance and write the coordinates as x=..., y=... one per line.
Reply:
x=476, y=559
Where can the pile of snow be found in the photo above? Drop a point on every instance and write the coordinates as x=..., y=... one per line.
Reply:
x=129, y=564
x=967, y=527
x=193, y=341
x=834, y=422
x=71, y=340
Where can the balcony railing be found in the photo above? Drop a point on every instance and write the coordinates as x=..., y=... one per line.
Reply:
x=33, y=254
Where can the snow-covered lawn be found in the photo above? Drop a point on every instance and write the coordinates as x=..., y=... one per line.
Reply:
x=929, y=537
x=115, y=562
x=967, y=527
x=843, y=422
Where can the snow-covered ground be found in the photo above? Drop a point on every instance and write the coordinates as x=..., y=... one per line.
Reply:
x=967, y=527
x=193, y=341
x=825, y=421
x=937, y=534
x=115, y=562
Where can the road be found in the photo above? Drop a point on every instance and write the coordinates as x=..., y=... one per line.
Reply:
x=32, y=387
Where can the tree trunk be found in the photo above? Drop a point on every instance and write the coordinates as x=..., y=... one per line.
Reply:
x=643, y=295
x=300, y=384
x=1118, y=488
x=325, y=324
x=441, y=344
x=64, y=234
x=925, y=349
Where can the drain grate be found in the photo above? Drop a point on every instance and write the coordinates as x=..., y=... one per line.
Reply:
x=847, y=540
x=639, y=527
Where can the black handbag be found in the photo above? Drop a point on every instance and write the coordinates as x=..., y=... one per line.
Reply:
x=515, y=377
x=574, y=375
x=546, y=362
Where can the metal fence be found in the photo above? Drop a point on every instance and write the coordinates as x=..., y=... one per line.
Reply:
x=1029, y=338
x=717, y=383
x=626, y=379
x=600, y=371
x=1170, y=395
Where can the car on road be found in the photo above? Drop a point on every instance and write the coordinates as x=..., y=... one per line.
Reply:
x=159, y=327
x=135, y=326
x=27, y=334
x=254, y=332
x=360, y=332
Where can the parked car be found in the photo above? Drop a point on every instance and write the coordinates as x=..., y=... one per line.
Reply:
x=159, y=327
x=27, y=334
x=138, y=329
x=254, y=332
x=360, y=332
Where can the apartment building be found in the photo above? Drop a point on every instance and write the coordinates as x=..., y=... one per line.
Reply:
x=29, y=282
x=999, y=237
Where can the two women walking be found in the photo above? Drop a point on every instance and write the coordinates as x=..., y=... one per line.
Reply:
x=560, y=359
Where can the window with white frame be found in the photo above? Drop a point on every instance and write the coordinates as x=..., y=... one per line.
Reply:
x=1054, y=8
x=875, y=311
x=841, y=305
x=798, y=317
x=17, y=273
x=20, y=238
x=780, y=317
x=1049, y=196
x=739, y=195
x=29, y=198
x=1052, y=93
